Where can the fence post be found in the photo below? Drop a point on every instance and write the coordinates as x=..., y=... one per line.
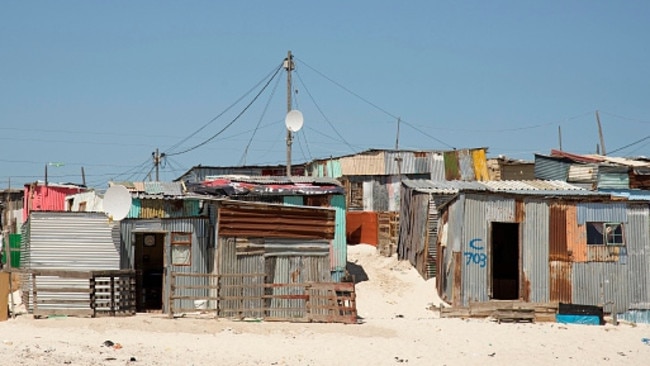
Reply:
x=172, y=290
x=112, y=279
x=93, y=297
x=34, y=294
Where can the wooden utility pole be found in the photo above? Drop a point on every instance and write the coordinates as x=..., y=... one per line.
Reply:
x=289, y=66
x=399, y=156
x=157, y=159
x=600, y=134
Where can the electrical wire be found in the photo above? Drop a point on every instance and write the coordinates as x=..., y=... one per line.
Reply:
x=630, y=145
x=426, y=134
x=369, y=102
x=323, y=114
x=231, y=122
x=273, y=72
x=624, y=118
x=242, y=161
x=347, y=90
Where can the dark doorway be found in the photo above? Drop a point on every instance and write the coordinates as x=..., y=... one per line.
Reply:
x=149, y=266
x=505, y=261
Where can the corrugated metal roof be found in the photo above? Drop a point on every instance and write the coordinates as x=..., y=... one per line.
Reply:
x=442, y=187
x=531, y=187
x=152, y=188
x=278, y=180
x=630, y=194
x=623, y=161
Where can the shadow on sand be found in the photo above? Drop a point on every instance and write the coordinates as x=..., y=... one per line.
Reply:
x=356, y=272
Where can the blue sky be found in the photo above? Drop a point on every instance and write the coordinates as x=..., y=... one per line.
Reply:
x=101, y=85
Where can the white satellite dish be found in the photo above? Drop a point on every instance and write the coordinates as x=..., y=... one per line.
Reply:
x=293, y=120
x=117, y=202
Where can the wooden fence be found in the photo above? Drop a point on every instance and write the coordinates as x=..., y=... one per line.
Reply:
x=243, y=296
x=81, y=293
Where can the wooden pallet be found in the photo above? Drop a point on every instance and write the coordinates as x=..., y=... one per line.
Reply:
x=514, y=315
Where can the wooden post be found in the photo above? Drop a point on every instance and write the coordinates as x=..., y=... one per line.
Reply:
x=112, y=301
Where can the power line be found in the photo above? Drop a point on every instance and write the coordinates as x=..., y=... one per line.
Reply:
x=231, y=122
x=426, y=134
x=323, y=114
x=242, y=161
x=367, y=101
x=348, y=90
x=625, y=118
x=274, y=72
x=630, y=144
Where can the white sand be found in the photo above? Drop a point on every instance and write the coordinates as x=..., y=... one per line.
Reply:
x=397, y=328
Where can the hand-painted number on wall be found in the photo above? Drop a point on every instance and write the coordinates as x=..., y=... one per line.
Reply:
x=476, y=257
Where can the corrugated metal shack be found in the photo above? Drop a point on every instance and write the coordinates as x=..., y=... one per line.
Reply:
x=277, y=245
x=301, y=191
x=200, y=173
x=53, y=242
x=532, y=241
x=503, y=168
x=43, y=196
x=595, y=172
x=372, y=178
x=372, y=183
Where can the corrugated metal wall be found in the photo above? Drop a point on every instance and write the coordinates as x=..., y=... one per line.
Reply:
x=71, y=241
x=276, y=260
x=535, y=252
x=466, y=165
x=551, y=169
x=339, y=255
x=163, y=208
x=583, y=173
x=601, y=283
x=202, y=251
x=240, y=219
x=77, y=241
x=372, y=163
x=637, y=235
x=613, y=177
x=437, y=168
x=602, y=212
x=413, y=230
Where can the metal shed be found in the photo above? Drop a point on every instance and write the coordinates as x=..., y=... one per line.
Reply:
x=517, y=241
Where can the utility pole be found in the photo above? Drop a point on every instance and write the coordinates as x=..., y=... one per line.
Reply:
x=559, y=133
x=600, y=134
x=289, y=66
x=399, y=156
x=157, y=159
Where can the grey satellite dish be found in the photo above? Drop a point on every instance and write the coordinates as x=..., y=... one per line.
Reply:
x=293, y=120
x=117, y=202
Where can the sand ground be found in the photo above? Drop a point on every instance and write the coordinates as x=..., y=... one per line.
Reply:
x=397, y=327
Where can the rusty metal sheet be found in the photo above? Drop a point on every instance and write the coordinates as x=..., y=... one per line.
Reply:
x=561, y=283
x=458, y=283
x=557, y=233
x=576, y=236
x=602, y=253
x=258, y=220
